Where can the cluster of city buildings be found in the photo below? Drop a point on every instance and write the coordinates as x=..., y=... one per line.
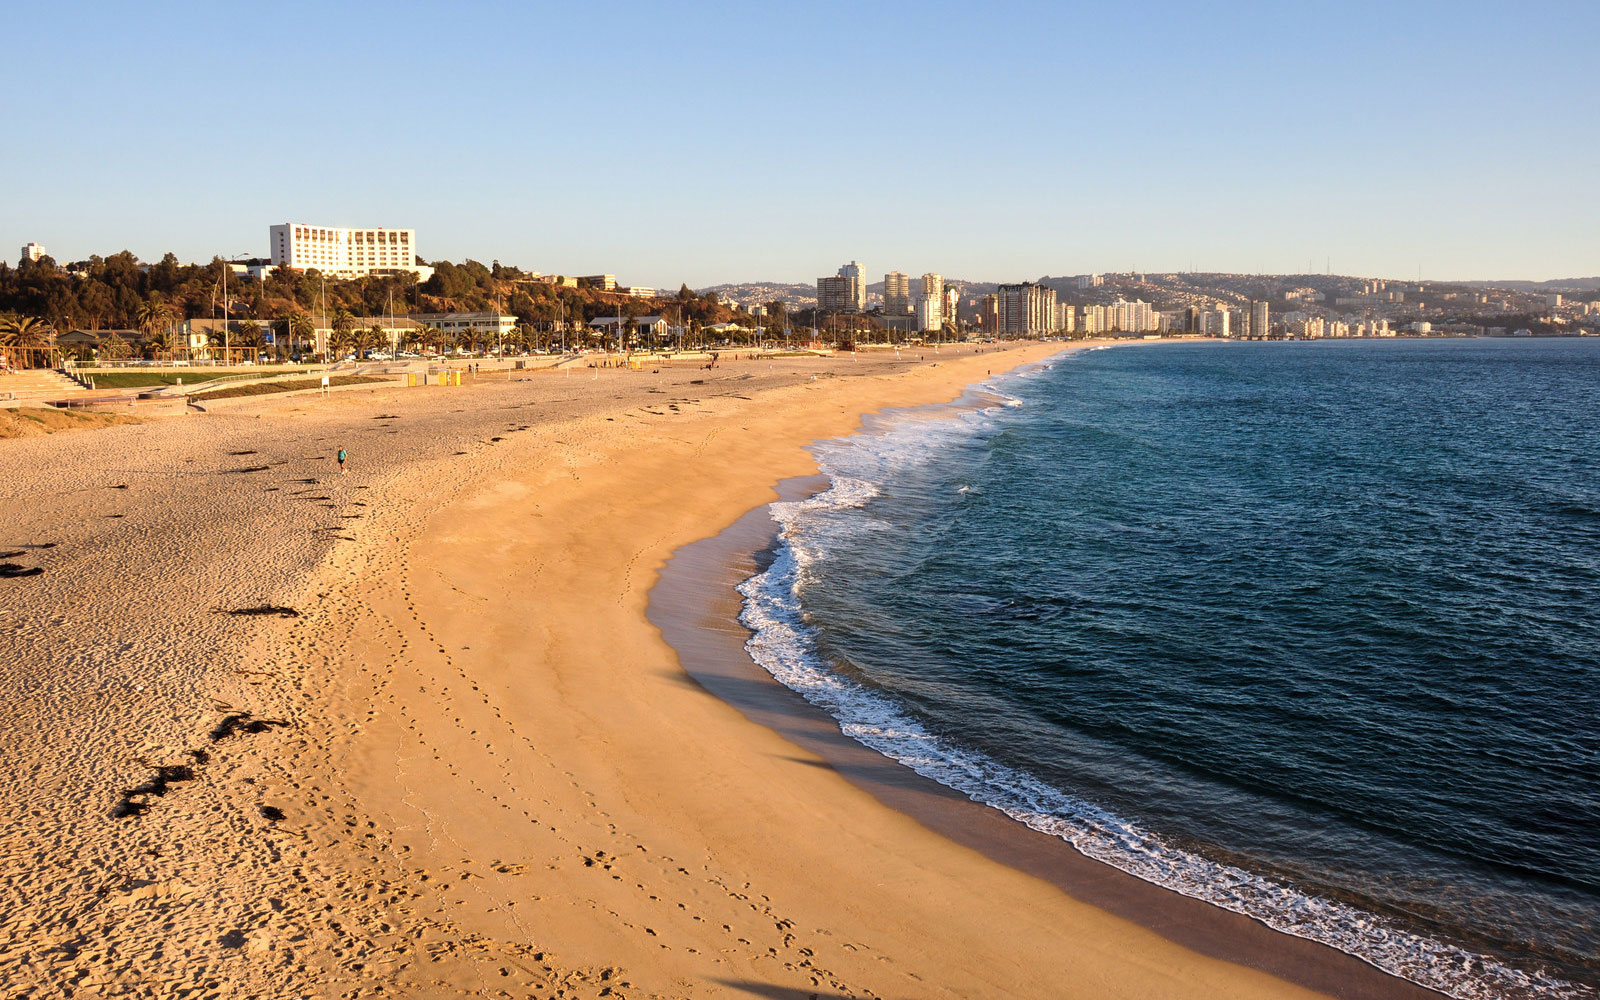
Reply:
x=909, y=305
x=919, y=305
x=1031, y=309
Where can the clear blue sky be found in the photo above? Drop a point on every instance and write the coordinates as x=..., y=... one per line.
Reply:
x=711, y=142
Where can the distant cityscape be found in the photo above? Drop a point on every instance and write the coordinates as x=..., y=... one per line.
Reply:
x=1303, y=306
x=1133, y=304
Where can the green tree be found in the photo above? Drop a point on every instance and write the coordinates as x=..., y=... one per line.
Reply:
x=340, y=343
x=370, y=339
x=28, y=335
x=432, y=337
x=343, y=325
x=153, y=315
x=249, y=335
x=301, y=330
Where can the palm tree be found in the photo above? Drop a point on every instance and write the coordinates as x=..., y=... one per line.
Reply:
x=29, y=335
x=369, y=340
x=300, y=328
x=341, y=328
x=249, y=335
x=339, y=343
x=152, y=316
x=431, y=336
x=343, y=321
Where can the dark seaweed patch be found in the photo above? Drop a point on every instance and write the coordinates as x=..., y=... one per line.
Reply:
x=262, y=609
x=136, y=800
x=242, y=722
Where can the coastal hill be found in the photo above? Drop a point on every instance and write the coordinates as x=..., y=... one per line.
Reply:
x=1562, y=285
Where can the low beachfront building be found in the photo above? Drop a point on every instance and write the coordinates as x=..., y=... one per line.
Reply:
x=206, y=338
x=465, y=326
x=77, y=342
x=645, y=326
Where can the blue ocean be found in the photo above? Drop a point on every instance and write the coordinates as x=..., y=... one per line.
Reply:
x=1307, y=630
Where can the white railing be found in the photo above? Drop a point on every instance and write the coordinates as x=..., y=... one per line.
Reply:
x=211, y=383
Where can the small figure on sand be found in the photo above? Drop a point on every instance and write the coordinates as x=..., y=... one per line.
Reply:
x=713, y=362
x=341, y=461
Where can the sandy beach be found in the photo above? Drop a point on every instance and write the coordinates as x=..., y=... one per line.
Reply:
x=411, y=731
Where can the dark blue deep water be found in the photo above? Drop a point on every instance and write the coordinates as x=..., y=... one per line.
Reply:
x=1309, y=630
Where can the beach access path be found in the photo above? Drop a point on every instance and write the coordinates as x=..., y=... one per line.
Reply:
x=274, y=731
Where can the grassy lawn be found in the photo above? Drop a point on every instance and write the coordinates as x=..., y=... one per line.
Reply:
x=138, y=380
x=265, y=388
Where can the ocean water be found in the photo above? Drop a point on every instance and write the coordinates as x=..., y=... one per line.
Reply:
x=1307, y=630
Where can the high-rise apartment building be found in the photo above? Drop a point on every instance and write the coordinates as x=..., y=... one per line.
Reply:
x=345, y=253
x=1095, y=320
x=33, y=251
x=1137, y=316
x=1260, y=320
x=851, y=272
x=1216, y=322
x=845, y=292
x=930, y=302
x=896, y=294
x=1027, y=309
x=989, y=314
x=952, y=300
x=833, y=295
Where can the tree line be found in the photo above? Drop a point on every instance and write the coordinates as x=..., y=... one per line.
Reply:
x=119, y=292
x=40, y=300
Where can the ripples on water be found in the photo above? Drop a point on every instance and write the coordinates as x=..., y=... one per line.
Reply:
x=1308, y=630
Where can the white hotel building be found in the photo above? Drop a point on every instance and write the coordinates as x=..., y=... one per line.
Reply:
x=346, y=253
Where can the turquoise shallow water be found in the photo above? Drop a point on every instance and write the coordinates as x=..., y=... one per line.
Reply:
x=1308, y=630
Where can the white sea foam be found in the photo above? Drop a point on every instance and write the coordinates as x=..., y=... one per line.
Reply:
x=784, y=644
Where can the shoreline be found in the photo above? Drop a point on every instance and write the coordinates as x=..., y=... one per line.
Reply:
x=694, y=854
x=695, y=605
x=478, y=766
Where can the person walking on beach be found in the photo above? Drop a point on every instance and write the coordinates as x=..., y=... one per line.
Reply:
x=341, y=461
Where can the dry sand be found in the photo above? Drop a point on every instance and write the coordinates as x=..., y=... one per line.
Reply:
x=461, y=761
